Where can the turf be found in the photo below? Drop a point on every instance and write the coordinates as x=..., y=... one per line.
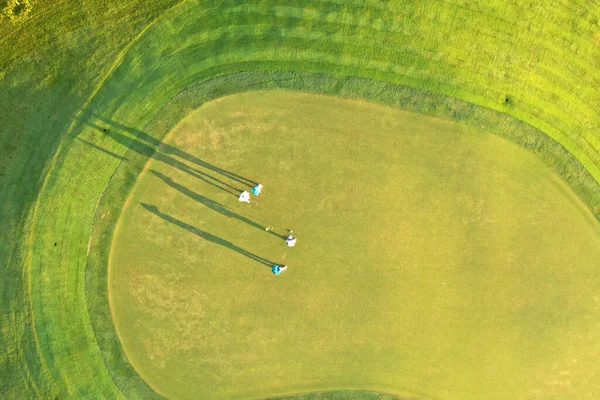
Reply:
x=73, y=64
x=423, y=247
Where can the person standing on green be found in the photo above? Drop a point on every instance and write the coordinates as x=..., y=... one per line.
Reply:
x=277, y=269
x=245, y=197
x=256, y=189
x=290, y=241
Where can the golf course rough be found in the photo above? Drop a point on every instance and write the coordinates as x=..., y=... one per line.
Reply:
x=84, y=84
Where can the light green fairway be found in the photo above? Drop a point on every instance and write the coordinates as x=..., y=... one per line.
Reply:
x=432, y=259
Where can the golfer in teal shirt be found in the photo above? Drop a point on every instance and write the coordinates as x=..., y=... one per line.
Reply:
x=277, y=269
x=256, y=189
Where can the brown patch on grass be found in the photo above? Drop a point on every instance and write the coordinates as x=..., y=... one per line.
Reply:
x=162, y=297
x=215, y=139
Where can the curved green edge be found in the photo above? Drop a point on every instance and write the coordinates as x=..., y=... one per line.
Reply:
x=133, y=82
x=117, y=191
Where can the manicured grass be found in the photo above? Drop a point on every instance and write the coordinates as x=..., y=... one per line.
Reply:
x=431, y=257
x=70, y=64
x=51, y=63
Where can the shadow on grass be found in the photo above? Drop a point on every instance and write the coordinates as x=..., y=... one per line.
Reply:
x=110, y=153
x=207, y=236
x=166, y=149
x=149, y=151
x=213, y=205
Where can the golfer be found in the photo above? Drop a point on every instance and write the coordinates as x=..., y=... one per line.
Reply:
x=277, y=269
x=245, y=196
x=291, y=241
x=256, y=189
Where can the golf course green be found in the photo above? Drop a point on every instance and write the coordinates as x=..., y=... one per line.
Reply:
x=426, y=250
x=439, y=163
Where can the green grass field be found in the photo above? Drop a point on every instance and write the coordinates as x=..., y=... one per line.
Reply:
x=525, y=72
x=423, y=246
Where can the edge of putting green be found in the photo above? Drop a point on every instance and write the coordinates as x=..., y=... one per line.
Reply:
x=409, y=99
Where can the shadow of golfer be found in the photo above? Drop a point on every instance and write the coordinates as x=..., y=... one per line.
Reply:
x=207, y=236
x=213, y=205
x=170, y=150
x=149, y=151
x=110, y=153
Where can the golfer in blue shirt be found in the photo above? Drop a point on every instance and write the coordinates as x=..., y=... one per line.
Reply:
x=256, y=189
x=277, y=269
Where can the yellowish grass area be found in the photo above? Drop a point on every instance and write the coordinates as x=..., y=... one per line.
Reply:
x=430, y=255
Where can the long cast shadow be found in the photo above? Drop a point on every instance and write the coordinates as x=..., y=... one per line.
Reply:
x=110, y=153
x=207, y=236
x=213, y=205
x=149, y=151
x=168, y=149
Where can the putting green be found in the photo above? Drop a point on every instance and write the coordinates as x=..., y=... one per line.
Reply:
x=432, y=259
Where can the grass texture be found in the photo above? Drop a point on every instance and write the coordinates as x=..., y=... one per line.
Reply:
x=423, y=246
x=76, y=66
